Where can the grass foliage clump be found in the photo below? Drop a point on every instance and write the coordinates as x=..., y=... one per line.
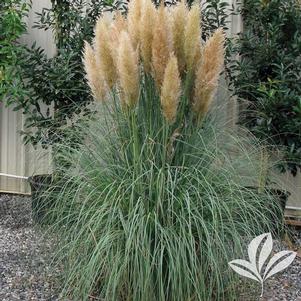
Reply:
x=155, y=203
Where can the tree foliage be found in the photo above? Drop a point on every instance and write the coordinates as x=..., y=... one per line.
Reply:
x=12, y=27
x=269, y=74
x=56, y=91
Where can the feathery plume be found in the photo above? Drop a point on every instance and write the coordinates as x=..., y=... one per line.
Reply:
x=179, y=18
x=161, y=45
x=118, y=25
x=93, y=74
x=171, y=89
x=192, y=36
x=208, y=72
x=119, y=22
x=133, y=18
x=127, y=67
x=104, y=55
x=148, y=15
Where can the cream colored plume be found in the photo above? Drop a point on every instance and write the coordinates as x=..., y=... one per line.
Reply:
x=133, y=18
x=171, y=90
x=119, y=22
x=192, y=37
x=104, y=55
x=208, y=72
x=94, y=75
x=128, y=71
x=118, y=25
x=148, y=15
x=161, y=45
x=179, y=19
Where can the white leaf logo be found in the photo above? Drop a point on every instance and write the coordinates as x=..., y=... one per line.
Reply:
x=258, y=257
x=281, y=265
x=238, y=265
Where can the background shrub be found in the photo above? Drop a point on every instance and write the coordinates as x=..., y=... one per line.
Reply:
x=269, y=75
x=57, y=95
x=12, y=27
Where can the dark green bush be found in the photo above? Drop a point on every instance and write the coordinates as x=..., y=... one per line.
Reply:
x=58, y=81
x=58, y=95
x=12, y=27
x=269, y=75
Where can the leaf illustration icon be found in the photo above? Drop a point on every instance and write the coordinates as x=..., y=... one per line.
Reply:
x=238, y=265
x=281, y=265
x=254, y=245
x=252, y=270
x=265, y=252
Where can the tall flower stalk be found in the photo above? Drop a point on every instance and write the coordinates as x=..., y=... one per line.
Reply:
x=159, y=67
x=155, y=203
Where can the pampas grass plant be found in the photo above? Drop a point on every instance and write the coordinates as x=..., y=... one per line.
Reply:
x=155, y=203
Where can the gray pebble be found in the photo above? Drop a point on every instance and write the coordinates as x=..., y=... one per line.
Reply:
x=25, y=272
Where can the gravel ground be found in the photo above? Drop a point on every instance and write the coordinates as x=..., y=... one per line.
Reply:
x=25, y=272
x=25, y=255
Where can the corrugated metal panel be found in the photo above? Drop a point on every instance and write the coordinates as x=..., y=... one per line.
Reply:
x=12, y=151
x=41, y=37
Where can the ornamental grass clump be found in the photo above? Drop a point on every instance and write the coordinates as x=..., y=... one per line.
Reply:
x=155, y=203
